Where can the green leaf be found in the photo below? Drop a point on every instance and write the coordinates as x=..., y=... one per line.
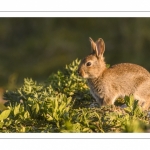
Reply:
x=86, y=129
x=55, y=104
x=35, y=108
x=128, y=109
x=16, y=110
x=1, y=124
x=26, y=115
x=4, y=114
x=50, y=118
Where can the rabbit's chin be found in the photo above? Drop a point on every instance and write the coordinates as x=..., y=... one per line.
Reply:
x=87, y=76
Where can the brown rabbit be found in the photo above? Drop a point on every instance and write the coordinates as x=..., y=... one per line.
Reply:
x=108, y=84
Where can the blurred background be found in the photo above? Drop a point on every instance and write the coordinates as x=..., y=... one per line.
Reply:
x=37, y=47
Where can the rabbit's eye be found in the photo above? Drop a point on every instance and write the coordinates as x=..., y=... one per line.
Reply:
x=88, y=63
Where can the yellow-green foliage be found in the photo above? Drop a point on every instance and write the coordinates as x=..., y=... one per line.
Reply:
x=62, y=104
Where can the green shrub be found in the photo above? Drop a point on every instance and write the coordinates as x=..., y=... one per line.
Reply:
x=62, y=104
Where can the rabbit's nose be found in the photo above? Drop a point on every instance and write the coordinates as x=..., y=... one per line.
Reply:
x=79, y=72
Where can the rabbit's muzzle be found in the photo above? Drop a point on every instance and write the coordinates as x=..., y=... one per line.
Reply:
x=82, y=73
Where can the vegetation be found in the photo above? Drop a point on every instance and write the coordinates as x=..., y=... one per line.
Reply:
x=63, y=104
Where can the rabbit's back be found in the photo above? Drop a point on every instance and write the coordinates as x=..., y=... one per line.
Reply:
x=128, y=68
x=126, y=77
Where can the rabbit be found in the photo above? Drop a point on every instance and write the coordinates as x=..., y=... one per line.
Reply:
x=108, y=84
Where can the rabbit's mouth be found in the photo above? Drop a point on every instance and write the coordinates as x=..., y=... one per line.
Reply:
x=82, y=74
x=86, y=75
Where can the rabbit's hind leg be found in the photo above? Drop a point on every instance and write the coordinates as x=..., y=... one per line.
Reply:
x=109, y=100
x=144, y=100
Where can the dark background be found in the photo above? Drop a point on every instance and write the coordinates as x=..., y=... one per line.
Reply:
x=37, y=47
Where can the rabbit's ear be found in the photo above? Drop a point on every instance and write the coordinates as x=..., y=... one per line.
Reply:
x=97, y=48
x=100, y=46
x=93, y=47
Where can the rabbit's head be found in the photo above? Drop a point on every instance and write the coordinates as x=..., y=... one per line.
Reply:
x=93, y=65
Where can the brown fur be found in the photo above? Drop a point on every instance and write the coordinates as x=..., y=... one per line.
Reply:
x=107, y=84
